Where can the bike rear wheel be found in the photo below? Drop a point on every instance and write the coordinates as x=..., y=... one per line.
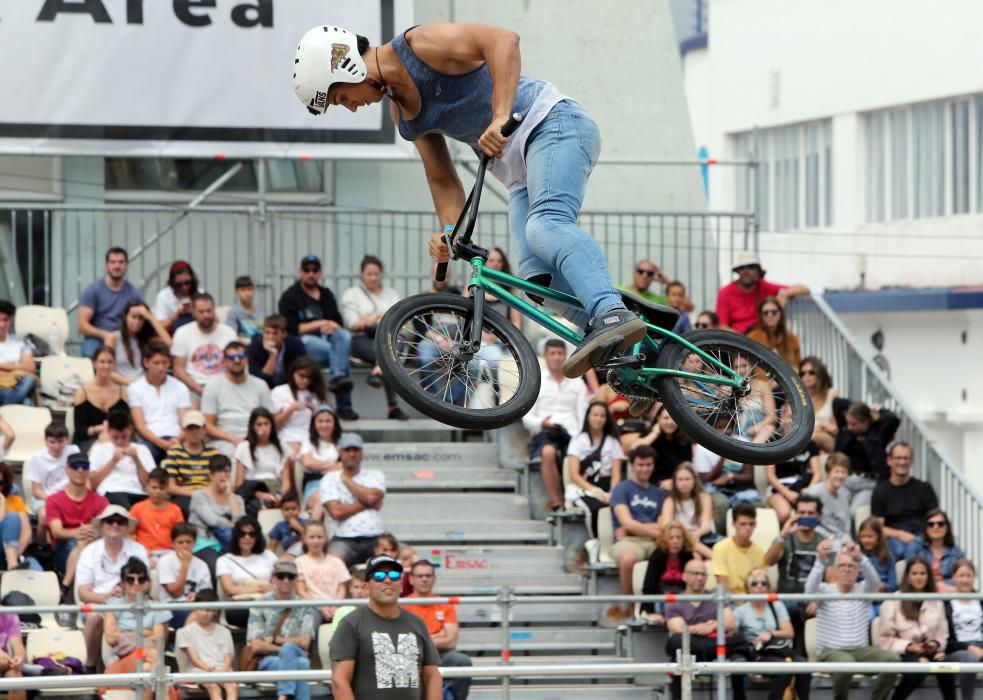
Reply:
x=417, y=346
x=770, y=422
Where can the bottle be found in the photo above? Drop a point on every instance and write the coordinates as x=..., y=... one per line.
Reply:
x=55, y=339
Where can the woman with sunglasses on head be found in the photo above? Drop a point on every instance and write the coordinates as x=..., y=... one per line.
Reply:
x=706, y=321
x=244, y=573
x=818, y=382
x=95, y=399
x=937, y=546
x=137, y=328
x=173, y=304
x=120, y=628
x=214, y=510
x=916, y=629
x=772, y=332
x=767, y=629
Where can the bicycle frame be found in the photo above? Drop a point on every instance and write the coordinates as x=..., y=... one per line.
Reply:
x=491, y=280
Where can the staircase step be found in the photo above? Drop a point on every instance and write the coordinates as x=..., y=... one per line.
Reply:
x=450, y=561
x=429, y=455
x=457, y=479
x=476, y=583
x=468, y=531
x=414, y=429
x=531, y=639
x=560, y=659
x=537, y=613
x=491, y=507
x=565, y=692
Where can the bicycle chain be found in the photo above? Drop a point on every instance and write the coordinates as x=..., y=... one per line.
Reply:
x=630, y=391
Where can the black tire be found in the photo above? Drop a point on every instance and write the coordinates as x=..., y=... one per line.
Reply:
x=399, y=343
x=701, y=409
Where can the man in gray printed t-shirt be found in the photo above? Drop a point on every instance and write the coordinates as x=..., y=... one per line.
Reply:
x=382, y=652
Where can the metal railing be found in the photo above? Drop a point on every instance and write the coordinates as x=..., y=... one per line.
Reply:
x=159, y=678
x=857, y=377
x=49, y=253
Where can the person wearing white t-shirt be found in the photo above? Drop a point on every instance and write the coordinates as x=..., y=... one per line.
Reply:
x=17, y=365
x=261, y=462
x=198, y=347
x=230, y=398
x=295, y=401
x=353, y=499
x=120, y=467
x=181, y=574
x=97, y=573
x=46, y=469
x=157, y=402
x=594, y=461
x=172, y=306
x=319, y=456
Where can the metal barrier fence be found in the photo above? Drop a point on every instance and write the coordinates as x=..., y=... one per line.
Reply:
x=160, y=678
x=48, y=253
x=856, y=376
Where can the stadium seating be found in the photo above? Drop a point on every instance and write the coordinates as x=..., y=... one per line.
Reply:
x=42, y=586
x=38, y=321
x=28, y=423
x=61, y=376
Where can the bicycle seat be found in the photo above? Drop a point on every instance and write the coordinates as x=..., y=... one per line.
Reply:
x=656, y=314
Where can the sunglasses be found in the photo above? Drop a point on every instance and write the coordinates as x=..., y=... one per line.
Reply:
x=115, y=521
x=136, y=580
x=647, y=273
x=937, y=523
x=380, y=576
x=247, y=533
x=702, y=325
x=284, y=576
x=770, y=312
x=807, y=373
x=235, y=356
x=79, y=465
x=758, y=582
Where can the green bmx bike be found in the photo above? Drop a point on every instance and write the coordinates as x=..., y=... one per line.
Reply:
x=464, y=364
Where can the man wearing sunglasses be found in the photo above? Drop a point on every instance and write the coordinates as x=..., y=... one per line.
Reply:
x=645, y=273
x=281, y=637
x=381, y=650
x=99, y=567
x=312, y=313
x=69, y=514
x=230, y=398
x=737, y=302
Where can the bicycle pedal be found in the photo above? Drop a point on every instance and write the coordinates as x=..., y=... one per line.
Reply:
x=626, y=362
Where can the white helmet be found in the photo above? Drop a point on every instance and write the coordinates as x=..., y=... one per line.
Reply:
x=326, y=55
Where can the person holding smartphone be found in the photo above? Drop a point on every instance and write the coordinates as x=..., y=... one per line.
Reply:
x=794, y=550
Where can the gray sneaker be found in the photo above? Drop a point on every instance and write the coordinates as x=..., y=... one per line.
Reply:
x=613, y=331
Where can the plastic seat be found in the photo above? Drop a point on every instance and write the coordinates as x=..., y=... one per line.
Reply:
x=28, y=423
x=637, y=582
x=42, y=586
x=61, y=376
x=324, y=634
x=859, y=515
x=268, y=518
x=605, y=536
x=38, y=320
x=222, y=313
x=44, y=642
x=765, y=531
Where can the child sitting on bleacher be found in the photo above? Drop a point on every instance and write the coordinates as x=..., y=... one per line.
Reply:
x=46, y=469
x=321, y=576
x=358, y=587
x=156, y=516
x=209, y=647
x=183, y=577
x=287, y=532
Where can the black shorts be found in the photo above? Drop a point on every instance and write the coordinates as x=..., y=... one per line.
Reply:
x=559, y=439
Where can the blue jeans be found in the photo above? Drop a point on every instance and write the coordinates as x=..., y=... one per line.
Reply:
x=434, y=378
x=897, y=548
x=332, y=351
x=224, y=536
x=290, y=658
x=62, y=549
x=560, y=154
x=90, y=345
x=23, y=392
x=10, y=529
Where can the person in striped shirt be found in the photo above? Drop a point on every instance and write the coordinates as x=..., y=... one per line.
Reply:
x=187, y=463
x=842, y=634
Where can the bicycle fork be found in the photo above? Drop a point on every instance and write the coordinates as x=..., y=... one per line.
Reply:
x=471, y=337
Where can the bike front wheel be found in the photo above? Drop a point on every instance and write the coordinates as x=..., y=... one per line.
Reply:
x=418, y=345
x=768, y=422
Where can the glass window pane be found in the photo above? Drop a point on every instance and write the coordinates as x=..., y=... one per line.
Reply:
x=929, y=159
x=876, y=167
x=899, y=165
x=960, y=157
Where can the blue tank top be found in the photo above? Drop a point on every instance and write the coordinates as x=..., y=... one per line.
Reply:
x=458, y=106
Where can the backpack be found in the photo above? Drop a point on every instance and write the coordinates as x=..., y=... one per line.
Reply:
x=28, y=621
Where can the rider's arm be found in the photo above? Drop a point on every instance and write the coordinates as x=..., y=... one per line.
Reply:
x=445, y=185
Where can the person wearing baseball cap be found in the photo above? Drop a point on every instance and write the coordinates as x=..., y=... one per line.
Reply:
x=187, y=462
x=737, y=302
x=281, y=637
x=357, y=651
x=353, y=499
x=312, y=313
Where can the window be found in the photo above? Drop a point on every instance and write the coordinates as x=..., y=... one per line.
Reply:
x=924, y=160
x=177, y=174
x=793, y=185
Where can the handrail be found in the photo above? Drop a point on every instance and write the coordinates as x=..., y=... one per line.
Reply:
x=823, y=334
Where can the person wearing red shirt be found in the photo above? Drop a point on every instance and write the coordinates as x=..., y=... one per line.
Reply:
x=737, y=302
x=441, y=621
x=69, y=516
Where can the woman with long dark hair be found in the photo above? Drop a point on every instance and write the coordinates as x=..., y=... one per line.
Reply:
x=319, y=455
x=672, y=446
x=937, y=546
x=594, y=461
x=773, y=333
x=818, y=382
x=244, y=573
x=689, y=504
x=137, y=328
x=95, y=399
x=295, y=401
x=916, y=629
x=263, y=469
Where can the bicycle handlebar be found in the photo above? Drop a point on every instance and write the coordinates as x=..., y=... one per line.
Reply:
x=508, y=128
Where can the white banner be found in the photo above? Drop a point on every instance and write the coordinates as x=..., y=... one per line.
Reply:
x=179, y=78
